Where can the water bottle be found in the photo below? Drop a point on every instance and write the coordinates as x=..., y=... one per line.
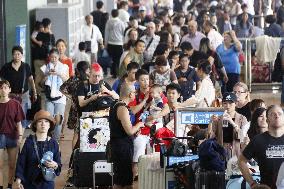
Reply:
x=47, y=156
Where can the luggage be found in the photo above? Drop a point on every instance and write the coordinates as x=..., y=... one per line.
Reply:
x=83, y=167
x=209, y=179
x=238, y=182
x=102, y=173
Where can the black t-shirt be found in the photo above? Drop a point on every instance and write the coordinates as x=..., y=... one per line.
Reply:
x=228, y=133
x=87, y=89
x=196, y=57
x=245, y=111
x=268, y=151
x=15, y=77
x=48, y=42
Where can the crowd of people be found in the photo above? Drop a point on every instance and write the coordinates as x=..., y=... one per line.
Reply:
x=163, y=56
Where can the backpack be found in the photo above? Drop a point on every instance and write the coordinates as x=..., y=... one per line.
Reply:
x=212, y=155
x=276, y=75
x=187, y=86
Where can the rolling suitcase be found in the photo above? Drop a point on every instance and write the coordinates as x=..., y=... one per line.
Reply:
x=83, y=167
x=102, y=174
x=209, y=179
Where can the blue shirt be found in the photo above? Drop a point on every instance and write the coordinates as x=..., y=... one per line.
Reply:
x=230, y=58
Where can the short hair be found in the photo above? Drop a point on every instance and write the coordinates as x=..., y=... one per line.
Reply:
x=46, y=22
x=242, y=85
x=132, y=66
x=161, y=49
x=6, y=82
x=82, y=46
x=173, y=86
x=99, y=4
x=269, y=108
x=186, y=46
x=37, y=25
x=161, y=61
x=61, y=40
x=182, y=55
x=157, y=86
x=184, y=29
x=17, y=48
x=244, y=5
x=123, y=4
x=270, y=19
x=126, y=89
x=205, y=66
x=140, y=72
x=138, y=41
x=114, y=13
x=172, y=54
x=53, y=51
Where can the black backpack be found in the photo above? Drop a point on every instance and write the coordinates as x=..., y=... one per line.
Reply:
x=277, y=73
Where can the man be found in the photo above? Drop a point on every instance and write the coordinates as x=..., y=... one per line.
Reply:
x=47, y=41
x=267, y=149
x=123, y=14
x=137, y=107
x=130, y=78
x=114, y=40
x=134, y=55
x=193, y=35
x=143, y=19
x=214, y=37
x=121, y=138
x=11, y=115
x=101, y=17
x=91, y=35
x=151, y=42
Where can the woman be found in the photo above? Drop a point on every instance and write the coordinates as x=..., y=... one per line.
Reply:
x=243, y=99
x=69, y=88
x=20, y=78
x=226, y=128
x=205, y=95
x=121, y=140
x=244, y=28
x=132, y=38
x=55, y=73
x=229, y=54
x=218, y=69
x=258, y=123
x=28, y=174
x=61, y=46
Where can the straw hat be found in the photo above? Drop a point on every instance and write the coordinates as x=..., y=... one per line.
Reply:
x=42, y=114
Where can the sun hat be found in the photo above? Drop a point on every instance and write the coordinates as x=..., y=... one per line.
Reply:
x=42, y=114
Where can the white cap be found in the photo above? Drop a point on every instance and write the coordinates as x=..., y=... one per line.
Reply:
x=142, y=8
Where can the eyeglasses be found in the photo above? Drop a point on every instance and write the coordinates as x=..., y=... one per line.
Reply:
x=239, y=92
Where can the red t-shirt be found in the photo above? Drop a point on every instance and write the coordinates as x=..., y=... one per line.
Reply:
x=11, y=113
x=139, y=98
x=68, y=62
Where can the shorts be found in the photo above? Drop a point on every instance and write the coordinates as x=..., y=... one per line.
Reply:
x=7, y=142
x=122, y=153
x=140, y=143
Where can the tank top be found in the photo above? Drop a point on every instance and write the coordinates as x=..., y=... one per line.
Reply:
x=116, y=129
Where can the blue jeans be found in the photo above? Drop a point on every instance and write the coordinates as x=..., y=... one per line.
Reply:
x=55, y=109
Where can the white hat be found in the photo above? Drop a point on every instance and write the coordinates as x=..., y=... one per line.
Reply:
x=142, y=8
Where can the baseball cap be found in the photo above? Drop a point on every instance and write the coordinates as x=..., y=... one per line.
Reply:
x=142, y=8
x=229, y=97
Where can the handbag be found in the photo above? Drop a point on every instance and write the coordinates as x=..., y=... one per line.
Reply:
x=89, y=43
x=177, y=148
x=47, y=173
x=47, y=91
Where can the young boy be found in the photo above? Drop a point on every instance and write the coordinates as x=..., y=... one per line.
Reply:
x=187, y=77
x=162, y=75
x=81, y=55
x=11, y=115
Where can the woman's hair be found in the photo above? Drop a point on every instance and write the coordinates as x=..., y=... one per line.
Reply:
x=205, y=66
x=204, y=45
x=161, y=49
x=80, y=70
x=256, y=103
x=254, y=127
x=164, y=37
x=245, y=87
x=184, y=29
x=46, y=22
x=242, y=21
x=17, y=48
x=161, y=61
x=61, y=40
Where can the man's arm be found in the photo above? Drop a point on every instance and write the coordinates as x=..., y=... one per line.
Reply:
x=123, y=115
x=83, y=102
x=20, y=131
x=242, y=162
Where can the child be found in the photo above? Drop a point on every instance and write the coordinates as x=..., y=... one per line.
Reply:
x=155, y=106
x=38, y=28
x=162, y=75
x=81, y=55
